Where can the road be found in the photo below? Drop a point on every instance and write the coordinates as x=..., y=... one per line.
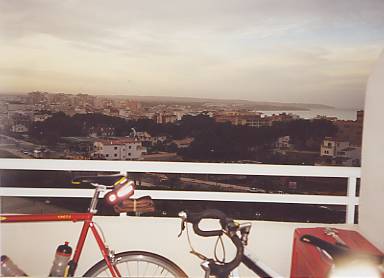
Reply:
x=13, y=151
x=149, y=180
x=16, y=146
x=8, y=139
x=216, y=184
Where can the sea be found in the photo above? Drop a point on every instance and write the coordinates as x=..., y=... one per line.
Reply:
x=341, y=114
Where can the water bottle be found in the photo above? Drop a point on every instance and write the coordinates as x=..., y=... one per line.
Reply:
x=9, y=269
x=62, y=256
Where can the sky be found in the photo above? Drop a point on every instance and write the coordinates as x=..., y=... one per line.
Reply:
x=309, y=51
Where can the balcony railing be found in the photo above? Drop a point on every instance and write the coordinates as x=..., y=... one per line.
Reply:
x=350, y=173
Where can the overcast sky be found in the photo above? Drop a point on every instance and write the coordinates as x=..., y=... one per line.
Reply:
x=317, y=51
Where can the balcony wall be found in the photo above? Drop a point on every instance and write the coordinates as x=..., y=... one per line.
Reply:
x=271, y=241
x=32, y=245
x=372, y=190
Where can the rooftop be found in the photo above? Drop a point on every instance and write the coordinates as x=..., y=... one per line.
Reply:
x=117, y=141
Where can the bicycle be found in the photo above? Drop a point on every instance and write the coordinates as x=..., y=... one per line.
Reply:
x=112, y=264
x=338, y=254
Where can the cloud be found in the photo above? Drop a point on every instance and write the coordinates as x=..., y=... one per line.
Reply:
x=316, y=50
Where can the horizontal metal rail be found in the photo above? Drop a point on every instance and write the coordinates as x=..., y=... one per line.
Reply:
x=179, y=167
x=185, y=195
x=350, y=173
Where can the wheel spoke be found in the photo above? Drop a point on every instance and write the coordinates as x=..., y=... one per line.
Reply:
x=128, y=272
x=137, y=268
x=161, y=271
x=145, y=270
x=137, y=264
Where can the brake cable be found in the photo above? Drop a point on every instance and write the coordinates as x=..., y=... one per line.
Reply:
x=101, y=232
x=219, y=238
x=203, y=257
x=193, y=251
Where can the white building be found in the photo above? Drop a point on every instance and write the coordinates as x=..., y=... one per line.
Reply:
x=37, y=154
x=19, y=128
x=41, y=117
x=330, y=147
x=283, y=142
x=341, y=152
x=118, y=149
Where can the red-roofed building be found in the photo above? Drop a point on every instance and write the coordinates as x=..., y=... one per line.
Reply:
x=118, y=149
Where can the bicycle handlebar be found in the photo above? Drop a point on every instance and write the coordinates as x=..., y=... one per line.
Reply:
x=229, y=228
x=195, y=217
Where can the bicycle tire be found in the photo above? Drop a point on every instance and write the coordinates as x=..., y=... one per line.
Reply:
x=156, y=266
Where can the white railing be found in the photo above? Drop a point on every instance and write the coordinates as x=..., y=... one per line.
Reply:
x=350, y=173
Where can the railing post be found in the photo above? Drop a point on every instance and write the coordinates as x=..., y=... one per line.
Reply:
x=351, y=194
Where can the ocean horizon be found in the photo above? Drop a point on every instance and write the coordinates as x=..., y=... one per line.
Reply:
x=341, y=114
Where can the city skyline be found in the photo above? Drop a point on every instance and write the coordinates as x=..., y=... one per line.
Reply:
x=292, y=51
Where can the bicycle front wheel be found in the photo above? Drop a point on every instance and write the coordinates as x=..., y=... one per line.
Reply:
x=138, y=264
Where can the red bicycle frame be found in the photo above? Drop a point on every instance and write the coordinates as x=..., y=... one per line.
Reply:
x=74, y=217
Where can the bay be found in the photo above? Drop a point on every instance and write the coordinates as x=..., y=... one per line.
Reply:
x=341, y=114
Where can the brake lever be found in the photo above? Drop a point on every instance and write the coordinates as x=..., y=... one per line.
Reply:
x=183, y=216
x=182, y=228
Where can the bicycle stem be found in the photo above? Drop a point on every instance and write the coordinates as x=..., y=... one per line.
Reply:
x=99, y=188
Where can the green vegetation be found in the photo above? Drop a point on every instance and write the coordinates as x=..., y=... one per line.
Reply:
x=212, y=141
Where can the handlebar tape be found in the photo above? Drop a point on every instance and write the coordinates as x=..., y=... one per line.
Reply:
x=218, y=269
x=196, y=217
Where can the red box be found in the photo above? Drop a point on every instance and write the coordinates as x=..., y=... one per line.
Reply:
x=308, y=261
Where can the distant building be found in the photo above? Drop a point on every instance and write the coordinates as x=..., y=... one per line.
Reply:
x=80, y=110
x=37, y=154
x=118, y=149
x=19, y=128
x=322, y=117
x=350, y=156
x=41, y=117
x=282, y=117
x=3, y=108
x=330, y=147
x=351, y=131
x=180, y=114
x=125, y=113
x=251, y=119
x=101, y=131
x=78, y=145
x=19, y=107
x=133, y=105
x=283, y=142
x=37, y=97
x=164, y=118
x=340, y=152
x=4, y=121
x=160, y=139
x=143, y=136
